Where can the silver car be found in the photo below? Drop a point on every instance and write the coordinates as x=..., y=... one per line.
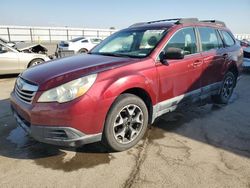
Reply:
x=13, y=61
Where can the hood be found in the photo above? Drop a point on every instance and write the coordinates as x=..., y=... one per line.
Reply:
x=54, y=73
x=22, y=46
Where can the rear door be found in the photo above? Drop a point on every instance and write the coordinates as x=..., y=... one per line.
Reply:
x=180, y=79
x=213, y=59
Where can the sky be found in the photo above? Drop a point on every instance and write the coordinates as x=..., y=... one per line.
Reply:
x=121, y=13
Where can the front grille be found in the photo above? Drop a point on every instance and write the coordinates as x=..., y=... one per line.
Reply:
x=25, y=91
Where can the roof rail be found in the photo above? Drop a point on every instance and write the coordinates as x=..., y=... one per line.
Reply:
x=175, y=20
x=181, y=21
x=217, y=22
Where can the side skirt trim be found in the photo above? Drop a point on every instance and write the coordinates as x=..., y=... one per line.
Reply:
x=170, y=105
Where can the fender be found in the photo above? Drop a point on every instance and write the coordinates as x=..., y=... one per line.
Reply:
x=129, y=81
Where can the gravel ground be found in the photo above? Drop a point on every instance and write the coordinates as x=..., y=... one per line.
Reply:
x=206, y=146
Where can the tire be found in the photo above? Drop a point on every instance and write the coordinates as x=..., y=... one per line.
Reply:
x=35, y=62
x=126, y=123
x=83, y=51
x=226, y=90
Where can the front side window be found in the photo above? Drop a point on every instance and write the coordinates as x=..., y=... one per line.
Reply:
x=229, y=41
x=209, y=38
x=184, y=39
x=132, y=43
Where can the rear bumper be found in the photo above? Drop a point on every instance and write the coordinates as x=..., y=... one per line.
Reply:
x=61, y=136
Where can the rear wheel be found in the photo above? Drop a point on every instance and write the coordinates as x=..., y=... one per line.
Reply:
x=35, y=62
x=126, y=122
x=226, y=90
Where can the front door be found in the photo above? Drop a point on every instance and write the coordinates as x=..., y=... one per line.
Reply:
x=180, y=79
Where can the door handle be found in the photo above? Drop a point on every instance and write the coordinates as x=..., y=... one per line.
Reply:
x=197, y=63
x=225, y=56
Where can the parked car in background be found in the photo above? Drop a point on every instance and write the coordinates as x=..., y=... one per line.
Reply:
x=78, y=45
x=244, y=43
x=246, y=62
x=134, y=76
x=13, y=61
x=31, y=48
x=26, y=47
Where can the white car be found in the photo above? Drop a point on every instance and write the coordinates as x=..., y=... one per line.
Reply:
x=13, y=61
x=78, y=45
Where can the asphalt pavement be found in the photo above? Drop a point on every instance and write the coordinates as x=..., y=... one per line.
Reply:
x=199, y=146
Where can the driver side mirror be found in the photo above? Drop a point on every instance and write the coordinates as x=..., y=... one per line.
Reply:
x=171, y=53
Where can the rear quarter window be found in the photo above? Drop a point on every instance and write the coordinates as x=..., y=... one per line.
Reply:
x=227, y=38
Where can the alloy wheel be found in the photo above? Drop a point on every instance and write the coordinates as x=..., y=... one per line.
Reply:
x=128, y=124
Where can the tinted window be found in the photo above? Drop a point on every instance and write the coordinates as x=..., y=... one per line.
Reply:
x=184, y=39
x=209, y=38
x=229, y=41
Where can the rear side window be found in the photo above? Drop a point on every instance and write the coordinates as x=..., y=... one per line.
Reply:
x=228, y=39
x=209, y=38
x=184, y=39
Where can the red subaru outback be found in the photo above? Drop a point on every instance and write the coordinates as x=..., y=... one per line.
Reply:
x=126, y=82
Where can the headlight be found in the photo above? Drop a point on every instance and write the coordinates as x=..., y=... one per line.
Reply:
x=68, y=91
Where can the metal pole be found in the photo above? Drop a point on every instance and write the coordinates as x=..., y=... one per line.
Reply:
x=8, y=31
x=49, y=36
x=83, y=33
x=67, y=34
x=31, y=38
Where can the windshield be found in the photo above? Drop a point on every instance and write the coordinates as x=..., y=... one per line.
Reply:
x=130, y=43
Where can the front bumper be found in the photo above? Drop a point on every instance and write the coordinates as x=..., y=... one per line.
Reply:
x=61, y=136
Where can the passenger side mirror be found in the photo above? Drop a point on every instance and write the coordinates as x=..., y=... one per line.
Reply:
x=171, y=53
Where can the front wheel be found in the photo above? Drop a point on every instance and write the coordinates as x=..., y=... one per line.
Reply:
x=226, y=90
x=126, y=122
x=35, y=62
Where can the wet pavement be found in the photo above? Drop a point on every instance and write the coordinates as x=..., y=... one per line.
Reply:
x=199, y=146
